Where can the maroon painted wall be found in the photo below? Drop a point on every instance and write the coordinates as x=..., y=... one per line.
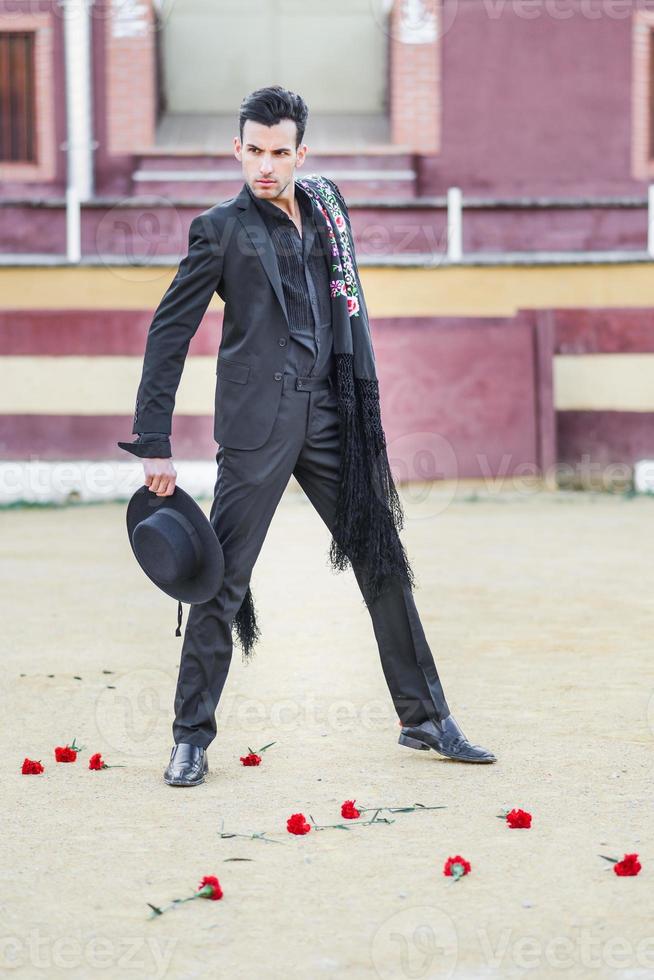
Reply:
x=461, y=396
x=530, y=106
x=537, y=105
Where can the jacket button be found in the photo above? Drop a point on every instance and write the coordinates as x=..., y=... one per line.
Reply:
x=282, y=341
x=278, y=376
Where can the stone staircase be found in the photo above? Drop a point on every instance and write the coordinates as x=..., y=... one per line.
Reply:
x=388, y=173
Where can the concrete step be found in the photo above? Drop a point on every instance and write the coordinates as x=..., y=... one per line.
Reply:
x=189, y=176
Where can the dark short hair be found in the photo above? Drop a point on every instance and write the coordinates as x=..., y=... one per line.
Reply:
x=272, y=104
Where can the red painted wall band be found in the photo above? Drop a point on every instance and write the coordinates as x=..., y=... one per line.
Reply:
x=60, y=333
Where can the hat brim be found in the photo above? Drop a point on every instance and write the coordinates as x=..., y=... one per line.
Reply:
x=206, y=583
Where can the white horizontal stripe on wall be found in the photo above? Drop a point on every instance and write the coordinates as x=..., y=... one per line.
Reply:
x=95, y=385
x=604, y=382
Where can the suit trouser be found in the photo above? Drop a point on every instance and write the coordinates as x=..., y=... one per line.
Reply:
x=304, y=442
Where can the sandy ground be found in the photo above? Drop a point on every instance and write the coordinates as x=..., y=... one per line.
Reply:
x=539, y=611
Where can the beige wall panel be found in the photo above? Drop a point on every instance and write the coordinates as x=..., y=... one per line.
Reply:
x=333, y=54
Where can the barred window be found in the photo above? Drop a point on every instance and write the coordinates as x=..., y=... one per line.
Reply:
x=17, y=97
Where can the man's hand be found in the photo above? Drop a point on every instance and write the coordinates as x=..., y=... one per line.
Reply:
x=160, y=476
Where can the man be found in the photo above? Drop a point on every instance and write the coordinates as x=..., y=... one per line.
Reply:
x=281, y=410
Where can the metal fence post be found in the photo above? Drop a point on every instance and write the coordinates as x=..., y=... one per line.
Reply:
x=454, y=224
x=73, y=225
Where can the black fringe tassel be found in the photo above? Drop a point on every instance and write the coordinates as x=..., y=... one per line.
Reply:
x=245, y=624
x=369, y=513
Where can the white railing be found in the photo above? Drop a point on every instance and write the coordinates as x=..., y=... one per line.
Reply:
x=454, y=224
x=455, y=205
x=650, y=220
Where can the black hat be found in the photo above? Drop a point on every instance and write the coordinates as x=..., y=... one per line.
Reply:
x=175, y=545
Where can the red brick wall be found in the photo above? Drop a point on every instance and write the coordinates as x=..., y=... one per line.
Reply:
x=643, y=41
x=130, y=78
x=415, y=106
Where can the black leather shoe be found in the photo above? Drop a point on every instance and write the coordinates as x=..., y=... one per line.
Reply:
x=446, y=738
x=188, y=765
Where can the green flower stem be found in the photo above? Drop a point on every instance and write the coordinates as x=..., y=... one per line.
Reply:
x=205, y=892
x=401, y=809
x=261, y=836
x=262, y=749
x=326, y=826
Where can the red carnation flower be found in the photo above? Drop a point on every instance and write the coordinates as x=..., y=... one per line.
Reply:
x=457, y=866
x=253, y=758
x=210, y=888
x=518, y=818
x=630, y=865
x=31, y=767
x=67, y=753
x=297, y=824
x=349, y=810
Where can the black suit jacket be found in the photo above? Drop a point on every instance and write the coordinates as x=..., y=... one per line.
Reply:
x=230, y=252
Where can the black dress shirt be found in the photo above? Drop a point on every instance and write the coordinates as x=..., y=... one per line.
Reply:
x=305, y=273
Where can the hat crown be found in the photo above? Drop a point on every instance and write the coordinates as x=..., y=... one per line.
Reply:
x=167, y=546
x=175, y=544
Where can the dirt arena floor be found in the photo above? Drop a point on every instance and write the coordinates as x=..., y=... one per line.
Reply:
x=539, y=610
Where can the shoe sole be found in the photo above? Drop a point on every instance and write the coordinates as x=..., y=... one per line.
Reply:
x=177, y=782
x=414, y=743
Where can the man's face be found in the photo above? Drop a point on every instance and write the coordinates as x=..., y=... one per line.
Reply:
x=268, y=156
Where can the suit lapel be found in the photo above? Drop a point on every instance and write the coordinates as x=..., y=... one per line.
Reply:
x=256, y=228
